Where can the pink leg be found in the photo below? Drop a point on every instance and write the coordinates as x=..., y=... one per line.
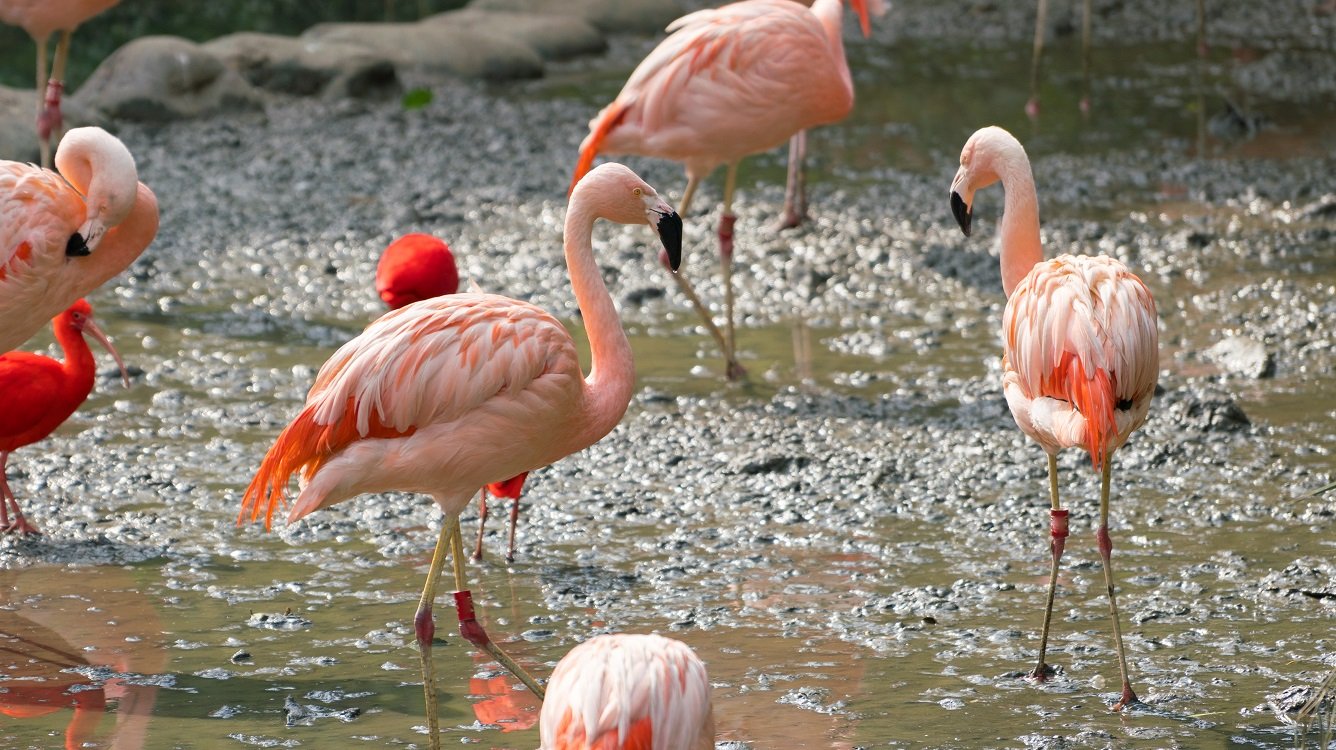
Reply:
x=1057, y=543
x=795, y=190
x=482, y=523
x=514, y=521
x=1105, y=553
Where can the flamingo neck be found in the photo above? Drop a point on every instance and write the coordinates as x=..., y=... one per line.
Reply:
x=1019, y=235
x=831, y=15
x=611, y=371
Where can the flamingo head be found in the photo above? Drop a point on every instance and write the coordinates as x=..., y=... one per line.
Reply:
x=979, y=165
x=79, y=317
x=865, y=9
x=415, y=267
x=618, y=194
x=99, y=167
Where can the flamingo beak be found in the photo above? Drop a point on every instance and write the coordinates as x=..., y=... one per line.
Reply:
x=77, y=247
x=669, y=226
x=860, y=7
x=962, y=212
x=91, y=328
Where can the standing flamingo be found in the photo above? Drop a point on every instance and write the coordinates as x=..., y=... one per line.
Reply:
x=61, y=240
x=1081, y=354
x=727, y=83
x=416, y=267
x=452, y=393
x=628, y=692
x=37, y=395
x=40, y=18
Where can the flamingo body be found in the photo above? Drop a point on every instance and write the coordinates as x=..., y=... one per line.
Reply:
x=729, y=82
x=42, y=18
x=63, y=235
x=628, y=692
x=37, y=394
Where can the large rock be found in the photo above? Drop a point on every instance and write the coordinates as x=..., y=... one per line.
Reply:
x=1240, y=355
x=158, y=78
x=610, y=16
x=552, y=37
x=424, y=53
x=18, y=129
x=307, y=67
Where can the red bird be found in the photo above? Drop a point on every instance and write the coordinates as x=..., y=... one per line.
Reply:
x=37, y=395
x=417, y=267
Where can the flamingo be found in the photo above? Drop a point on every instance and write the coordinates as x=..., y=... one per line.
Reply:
x=628, y=692
x=1081, y=350
x=727, y=83
x=61, y=240
x=41, y=18
x=419, y=266
x=452, y=393
x=37, y=395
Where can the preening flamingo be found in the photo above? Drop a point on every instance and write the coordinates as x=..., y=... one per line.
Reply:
x=1081, y=350
x=727, y=83
x=628, y=692
x=41, y=18
x=62, y=238
x=452, y=393
x=416, y=267
x=37, y=395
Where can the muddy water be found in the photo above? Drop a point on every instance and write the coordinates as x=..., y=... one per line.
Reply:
x=854, y=541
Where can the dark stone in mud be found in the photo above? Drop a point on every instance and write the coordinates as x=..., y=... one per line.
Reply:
x=774, y=465
x=1239, y=355
x=1209, y=414
x=642, y=295
x=1312, y=578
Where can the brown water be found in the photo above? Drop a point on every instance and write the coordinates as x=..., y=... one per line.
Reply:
x=815, y=638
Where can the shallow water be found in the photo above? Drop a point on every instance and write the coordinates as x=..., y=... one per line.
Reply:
x=854, y=541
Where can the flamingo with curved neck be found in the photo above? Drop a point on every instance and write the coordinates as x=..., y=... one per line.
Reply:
x=64, y=235
x=1081, y=349
x=449, y=394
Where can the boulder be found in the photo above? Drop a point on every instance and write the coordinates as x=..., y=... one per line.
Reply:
x=609, y=16
x=307, y=67
x=424, y=53
x=160, y=78
x=18, y=130
x=552, y=37
x=1240, y=355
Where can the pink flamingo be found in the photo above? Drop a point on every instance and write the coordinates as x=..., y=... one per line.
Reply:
x=41, y=18
x=37, y=395
x=452, y=393
x=61, y=240
x=1081, y=353
x=417, y=267
x=628, y=692
x=727, y=83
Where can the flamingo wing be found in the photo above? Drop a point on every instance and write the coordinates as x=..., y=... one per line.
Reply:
x=731, y=81
x=428, y=363
x=1081, y=331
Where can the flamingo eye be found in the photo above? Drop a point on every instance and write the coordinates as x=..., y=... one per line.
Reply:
x=637, y=192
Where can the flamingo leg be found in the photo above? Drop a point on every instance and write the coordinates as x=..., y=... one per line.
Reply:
x=469, y=627
x=795, y=190
x=42, y=142
x=1040, y=20
x=1085, y=58
x=514, y=521
x=482, y=522
x=1105, y=552
x=50, y=122
x=424, y=626
x=726, y=221
x=692, y=183
x=1057, y=541
x=683, y=284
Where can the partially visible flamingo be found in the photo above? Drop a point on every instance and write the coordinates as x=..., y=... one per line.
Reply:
x=41, y=18
x=452, y=393
x=419, y=266
x=1081, y=351
x=628, y=692
x=37, y=395
x=61, y=240
x=727, y=83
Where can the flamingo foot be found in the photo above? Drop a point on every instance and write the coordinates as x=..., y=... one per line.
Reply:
x=469, y=627
x=790, y=219
x=1128, y=699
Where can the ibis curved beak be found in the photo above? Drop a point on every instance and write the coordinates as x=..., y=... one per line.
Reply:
x=91, y=328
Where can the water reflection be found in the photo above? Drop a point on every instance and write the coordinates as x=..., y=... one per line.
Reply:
x=71, y=652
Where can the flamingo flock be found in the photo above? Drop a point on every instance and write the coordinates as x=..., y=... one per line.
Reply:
x=452, y=394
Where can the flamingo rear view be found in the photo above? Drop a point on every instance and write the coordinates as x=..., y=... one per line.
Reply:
x=37, y=395
x=449, y=394
x=419, y=266
x=1081, y=348
x=42, y=18
x=628, y=692
x=725, y=84
x=64, y=235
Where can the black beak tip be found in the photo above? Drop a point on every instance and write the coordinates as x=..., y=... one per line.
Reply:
x=77, y=247
x=669, y=228
x=962, y=212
